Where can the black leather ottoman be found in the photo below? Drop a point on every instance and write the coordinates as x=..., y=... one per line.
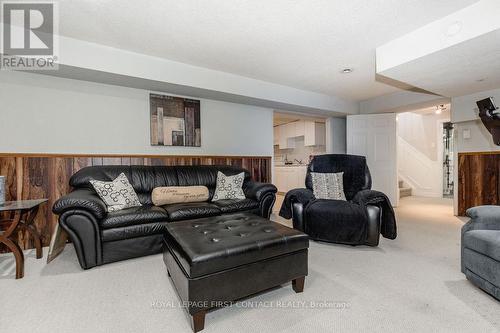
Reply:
x=215, y=260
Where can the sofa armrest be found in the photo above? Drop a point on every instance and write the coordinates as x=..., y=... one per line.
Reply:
x=368, y=197
x=485, y=213
x=483, y=218
x=84, y=232
x=81, y=199
x=257, y=190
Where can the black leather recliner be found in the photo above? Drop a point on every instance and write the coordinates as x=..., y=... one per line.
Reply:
x=347, y=222
x=100, y=237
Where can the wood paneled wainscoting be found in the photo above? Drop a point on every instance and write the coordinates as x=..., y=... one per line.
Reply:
x=478, y=180
x=33, y=176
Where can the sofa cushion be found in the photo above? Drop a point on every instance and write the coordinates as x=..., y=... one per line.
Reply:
x=486, y=242
x=191, y=210
x=328, y=185
x=236, y=205
x=179, y=194
x=143, y=178
x=133, y=231
x=118, y=194
x=134, y=216
x=229, y=187
x=189, y=175
x=356, y=174
x=210, y=245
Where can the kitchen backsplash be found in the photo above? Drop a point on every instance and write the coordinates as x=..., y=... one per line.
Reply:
x=300, y=152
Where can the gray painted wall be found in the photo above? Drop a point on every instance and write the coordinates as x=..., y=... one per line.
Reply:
x=464, y=114
x=43, y=114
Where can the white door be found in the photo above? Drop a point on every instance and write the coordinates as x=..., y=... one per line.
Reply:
x=375, y=136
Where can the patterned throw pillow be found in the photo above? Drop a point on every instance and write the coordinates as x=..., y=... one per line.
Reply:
x=229, y=187
x=328, y=185
x=118, y=194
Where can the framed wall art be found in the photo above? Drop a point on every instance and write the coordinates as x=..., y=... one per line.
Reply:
x=175, y=121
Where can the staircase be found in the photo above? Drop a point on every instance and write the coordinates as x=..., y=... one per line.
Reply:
x=404, y=190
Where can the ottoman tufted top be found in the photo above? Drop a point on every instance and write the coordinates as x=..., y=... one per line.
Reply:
x=212, y=244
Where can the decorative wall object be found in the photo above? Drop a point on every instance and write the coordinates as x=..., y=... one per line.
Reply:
x=34, y=176
x=175, y=121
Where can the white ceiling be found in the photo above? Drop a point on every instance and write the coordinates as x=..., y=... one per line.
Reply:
x=462, y=69
x=280, y=118
x=432, y=110
x=300, y=43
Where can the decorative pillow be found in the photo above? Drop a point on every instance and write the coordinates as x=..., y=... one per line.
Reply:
x=118, y=194
x=178, y=194
x=229, y=187
x=328, y=185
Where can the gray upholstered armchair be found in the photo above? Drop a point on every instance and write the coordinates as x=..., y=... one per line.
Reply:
x=481, y=248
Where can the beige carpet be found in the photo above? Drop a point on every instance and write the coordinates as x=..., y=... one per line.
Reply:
x=412, y=284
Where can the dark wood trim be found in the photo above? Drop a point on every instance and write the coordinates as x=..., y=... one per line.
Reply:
x=478, y=180
x=480, y=153
x=61, y=155
x=41, y=175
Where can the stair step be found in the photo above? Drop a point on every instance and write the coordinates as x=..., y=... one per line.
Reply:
x=404, y=192
x=400, y=184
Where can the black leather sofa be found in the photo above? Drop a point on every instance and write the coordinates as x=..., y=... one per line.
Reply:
x=100, y=237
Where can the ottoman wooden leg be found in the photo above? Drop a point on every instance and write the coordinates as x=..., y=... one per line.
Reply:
x=198, y=321
x=298, y=284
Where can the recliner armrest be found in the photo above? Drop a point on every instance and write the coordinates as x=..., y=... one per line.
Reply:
x=81, y=199
x=367, y=197
x=488, y=213
x=482, y=218
x=302, y=195
x=298, y=195
x=257, y=190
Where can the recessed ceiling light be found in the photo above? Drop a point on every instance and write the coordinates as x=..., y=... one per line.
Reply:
x=347, y=70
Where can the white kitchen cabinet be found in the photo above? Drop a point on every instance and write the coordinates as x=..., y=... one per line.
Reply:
x=282, y=175
x=286, y=136
x=299, y=128
x=276, y=135
x=289, y=177
x=314, y=134
x=290, y=130
x=301, y=177
x=282, y=140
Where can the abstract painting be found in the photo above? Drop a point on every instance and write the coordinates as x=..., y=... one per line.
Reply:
x=175, y=121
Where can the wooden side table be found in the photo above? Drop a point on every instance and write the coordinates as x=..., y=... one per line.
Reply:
x=22, y=216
